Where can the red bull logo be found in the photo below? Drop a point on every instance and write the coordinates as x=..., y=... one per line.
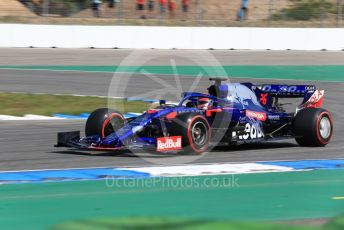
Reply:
x=169, y=143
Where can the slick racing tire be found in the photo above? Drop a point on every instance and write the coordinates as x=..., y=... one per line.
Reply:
x=103, y=122
x=313, y=127
x=194, y=130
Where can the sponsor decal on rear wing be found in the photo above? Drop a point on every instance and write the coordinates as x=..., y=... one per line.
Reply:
x=287, y=90
x=314, y=101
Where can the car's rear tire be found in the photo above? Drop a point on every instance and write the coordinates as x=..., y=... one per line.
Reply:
x=313, y=127
x=103, y=122
x=194, y=130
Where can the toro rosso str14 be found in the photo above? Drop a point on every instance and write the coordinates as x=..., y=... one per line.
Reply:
x=231, y=114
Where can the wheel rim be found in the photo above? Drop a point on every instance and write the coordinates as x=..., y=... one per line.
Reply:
x=199, y=134
x=325, y=127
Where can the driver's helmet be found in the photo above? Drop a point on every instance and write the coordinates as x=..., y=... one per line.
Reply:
x=203, y=103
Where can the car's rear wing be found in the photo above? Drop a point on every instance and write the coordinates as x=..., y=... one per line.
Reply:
x=312, y=97
x=287, y=90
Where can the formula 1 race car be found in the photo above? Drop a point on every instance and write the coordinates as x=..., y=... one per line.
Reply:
x=230, y=114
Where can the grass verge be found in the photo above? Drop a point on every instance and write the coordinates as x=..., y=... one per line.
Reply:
x=19, y=104
x=274, y=22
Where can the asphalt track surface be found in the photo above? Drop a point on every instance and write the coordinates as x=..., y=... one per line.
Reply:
x=36, y=56
x=29, y=145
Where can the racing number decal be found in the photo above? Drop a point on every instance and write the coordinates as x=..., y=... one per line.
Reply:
x=253, y=131
x=263, y=98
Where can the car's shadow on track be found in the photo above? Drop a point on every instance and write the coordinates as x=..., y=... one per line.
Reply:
x=261, y=146
x=153, y=154
x=121, y=153
x=96, y=153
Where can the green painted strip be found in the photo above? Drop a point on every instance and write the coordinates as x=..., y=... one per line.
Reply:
x=174, y=224
x=269, y=196
x=313, y=73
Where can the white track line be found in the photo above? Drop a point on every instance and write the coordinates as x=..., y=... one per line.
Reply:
x=130, y=167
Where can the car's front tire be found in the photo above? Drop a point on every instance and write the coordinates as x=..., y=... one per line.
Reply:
x=103, y=122
x=194, y=130
x=313, y=127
